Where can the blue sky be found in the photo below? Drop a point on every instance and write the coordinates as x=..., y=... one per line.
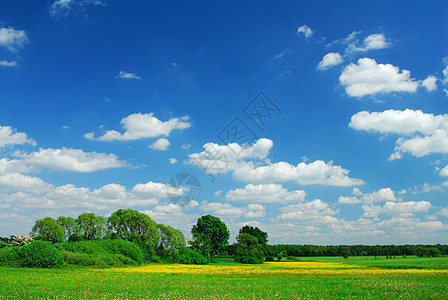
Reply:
x=103, y=102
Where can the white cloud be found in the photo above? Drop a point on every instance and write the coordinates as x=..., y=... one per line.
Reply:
x=403, y=209
x=372, y=42
x=161, y=144
x=370, y=78
x=330, y=60
x=156, y=190
x=429, y=133
x=71, y=160
x=217, y=159
x=222, y=209
x=444, y=172
x=16, y=181
x=430, y=83
x=317, y=211
x=5, y=63
x=217, y=193
x=317, y=172
x=61, y=8
x=382, y=195
x=140, y=126
x=265, y=193
x=445, y=74
x=12, y=39
x=173, y=161
x=305, y=30
x=9, y=136
x=126, y=75
x=13, y=166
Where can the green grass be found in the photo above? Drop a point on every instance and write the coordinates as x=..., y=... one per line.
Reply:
x=76, y=283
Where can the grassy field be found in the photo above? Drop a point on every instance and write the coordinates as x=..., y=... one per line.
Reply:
x=316, y=278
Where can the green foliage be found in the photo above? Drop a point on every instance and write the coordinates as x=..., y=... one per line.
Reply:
x=9, y=257
x=71, y=229
x=248, y=250
x=40, y=254
x=91, y=226
x=256, y=232
x=210, y=235
x=136, y=227
x=169, y=238
x=189, y=256
x=47, y=229
x=101, y=253
x=3, y=244
x=269, y=258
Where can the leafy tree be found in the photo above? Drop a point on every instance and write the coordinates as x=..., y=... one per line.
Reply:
x=248, y=250
x=169, y=238
x=134, y=226
x=210, y=235
x=91, y=226
x=71, y=229
x=256, y=232
x=47, y=229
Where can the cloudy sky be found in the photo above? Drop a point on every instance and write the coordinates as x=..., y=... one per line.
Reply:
x=318, y=122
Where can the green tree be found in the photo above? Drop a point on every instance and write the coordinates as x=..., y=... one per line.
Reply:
x=47, y=229
x=91, y=226
x=71, y=229
x=248, y=250
x=210, y=235
x=256, y=232
x=136, y=227
x=169, y=238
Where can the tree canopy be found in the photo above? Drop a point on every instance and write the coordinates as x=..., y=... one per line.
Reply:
x=210, y=235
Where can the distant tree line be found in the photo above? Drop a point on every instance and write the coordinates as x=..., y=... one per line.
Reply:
x=351, y=250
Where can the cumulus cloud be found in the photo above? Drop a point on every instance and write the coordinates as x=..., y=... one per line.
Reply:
x=173, y=161
x=21, y=182
x=218, y=159
x=403, y=209
x=330, y=60
x=428, y=132
x=317, y=211
x=140, y=126
x=382, y=195
x=156, y=190
x=9, y=136
x=430, y=83
x=126, y=75
x=265, y=193
x=305, y=30
x=367, y=77
x=5, y=63
x=372, y=42
x=161, y=144
x=75, y=160
x=12, y=39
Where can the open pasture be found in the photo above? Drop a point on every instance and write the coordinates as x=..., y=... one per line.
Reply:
x=322, y=278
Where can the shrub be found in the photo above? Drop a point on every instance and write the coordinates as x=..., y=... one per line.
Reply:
x=187, y=256
x=269, y=258
x=3, y=244
x=40, y=254
x=9, y=257
x=248, y=260
x=101, y=253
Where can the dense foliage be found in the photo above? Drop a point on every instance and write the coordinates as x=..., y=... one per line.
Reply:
x=248, y=250
x=210, y=235
x=38, y=254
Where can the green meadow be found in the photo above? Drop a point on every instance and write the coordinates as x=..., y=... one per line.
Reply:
x=381, y=278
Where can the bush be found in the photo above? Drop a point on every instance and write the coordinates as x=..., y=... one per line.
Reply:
x=40, y=254
x=9, y=257
x=269, y=258
x=101, y=253
x=248, y=260
x=3, y=244
x=186, y=256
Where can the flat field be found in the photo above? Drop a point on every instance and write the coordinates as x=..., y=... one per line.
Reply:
x=311, y=278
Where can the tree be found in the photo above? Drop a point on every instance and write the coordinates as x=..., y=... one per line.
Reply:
x=248, y=250
x=137, y=227
x=71, y=229
x=91, y=226
x=210, y=235
x=256, y=232
x=47, y=229
x=169, y=238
